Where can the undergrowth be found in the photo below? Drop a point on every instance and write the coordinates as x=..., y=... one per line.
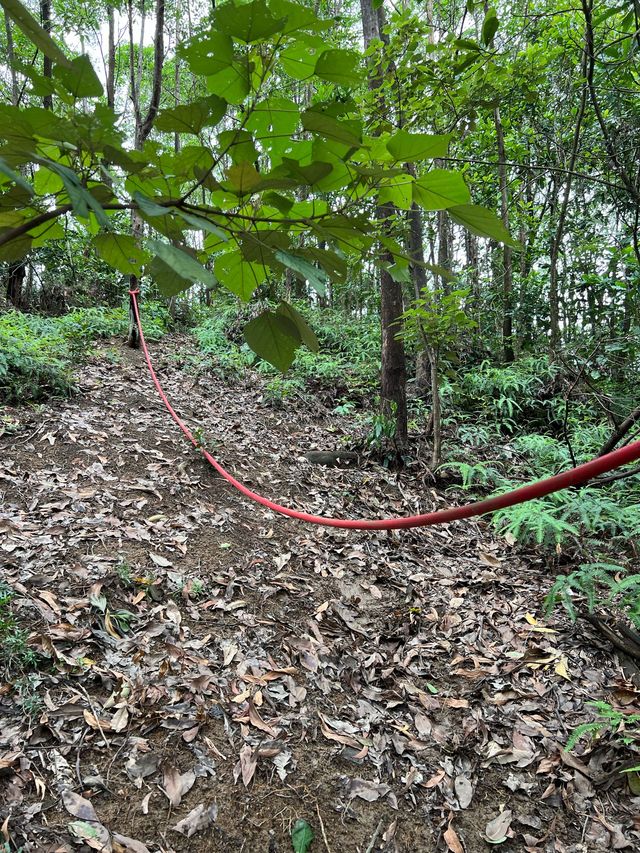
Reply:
x=345, y=368
x=37, y=354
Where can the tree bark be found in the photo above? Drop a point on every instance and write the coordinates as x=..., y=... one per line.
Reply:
x=394, y=372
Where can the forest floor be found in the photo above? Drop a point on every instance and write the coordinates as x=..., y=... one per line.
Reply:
x=208, y=673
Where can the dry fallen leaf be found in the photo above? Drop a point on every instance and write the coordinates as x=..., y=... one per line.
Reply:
x=177, y=784
x=198, y=819
x=496, y=831
x=452, y=840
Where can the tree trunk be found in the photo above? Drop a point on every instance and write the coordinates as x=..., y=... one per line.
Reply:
x=394, y=373
x=47, y=65
x=17, y=270
x=143, y=125
x=507, y=260
x=111, y=59
x=436, y=452
x=556, y=242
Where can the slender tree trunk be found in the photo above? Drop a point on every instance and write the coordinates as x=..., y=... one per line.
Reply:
x=47, y=65
x=17, y=270
x=143, y=124
x=556, y=243
x=111, y=58
x=393, y=374
x=507, y=259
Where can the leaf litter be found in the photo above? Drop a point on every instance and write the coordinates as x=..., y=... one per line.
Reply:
x=209, y=676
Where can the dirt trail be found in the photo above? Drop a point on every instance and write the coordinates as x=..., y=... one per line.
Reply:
x=211, y=673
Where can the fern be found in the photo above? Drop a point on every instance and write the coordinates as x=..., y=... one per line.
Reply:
x=538, y=521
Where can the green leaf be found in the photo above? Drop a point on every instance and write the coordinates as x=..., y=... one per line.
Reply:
x=274, y=115
x=304, y=270
x=339, y=66
x=209, y=53
x=307, y=335
x=275, y=338
x=15, y=250
x=301, y=836
x=232, y=83
x=79, y=78
x=181, y=263
x=121, y=252
x=482, y=222
x=418, y=146
x=243, y=177
x=239, y=145
x=36, y=34
x=248, y=22
x=440, y=189
x=490, y=26
x=191, y=118
x=167, y=279
x=239, y=276
x=397, y=190
x=347, y=132
x=200, y=222
x=149, y=207
x=80, y=198
x=14, y=176
x=299, y=61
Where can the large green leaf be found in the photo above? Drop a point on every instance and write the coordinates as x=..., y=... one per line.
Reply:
x=232, y=83
x=274, y=337
x=186, y=266
x=81, y=199
x=339, y=66
x=238, y=275
x=347, y=132
x=248, y=22
x=482, y=222
x=274, y=116
x=33, y=31
x=121, y=252
x=397, y=190
x=418, y=146
x=299, y=60
x=168, y=281
x=303, y=269
x=192, y=117
x=307, y=335
x=490, y=26
x=440, y=189
x=244, y=177
x=79, y=78
x=209, y=53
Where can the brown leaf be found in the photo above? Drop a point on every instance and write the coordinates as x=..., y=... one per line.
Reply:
x=128, y=845
x=177, y=784
x=452, y=840
x=246, y=765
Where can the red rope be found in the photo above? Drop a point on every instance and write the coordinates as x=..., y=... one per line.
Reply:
x=573, y=477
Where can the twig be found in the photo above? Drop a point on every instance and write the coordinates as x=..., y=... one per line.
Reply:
x=324, y=834
x=374, y=837
x=95, y=714
x=627, y=646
